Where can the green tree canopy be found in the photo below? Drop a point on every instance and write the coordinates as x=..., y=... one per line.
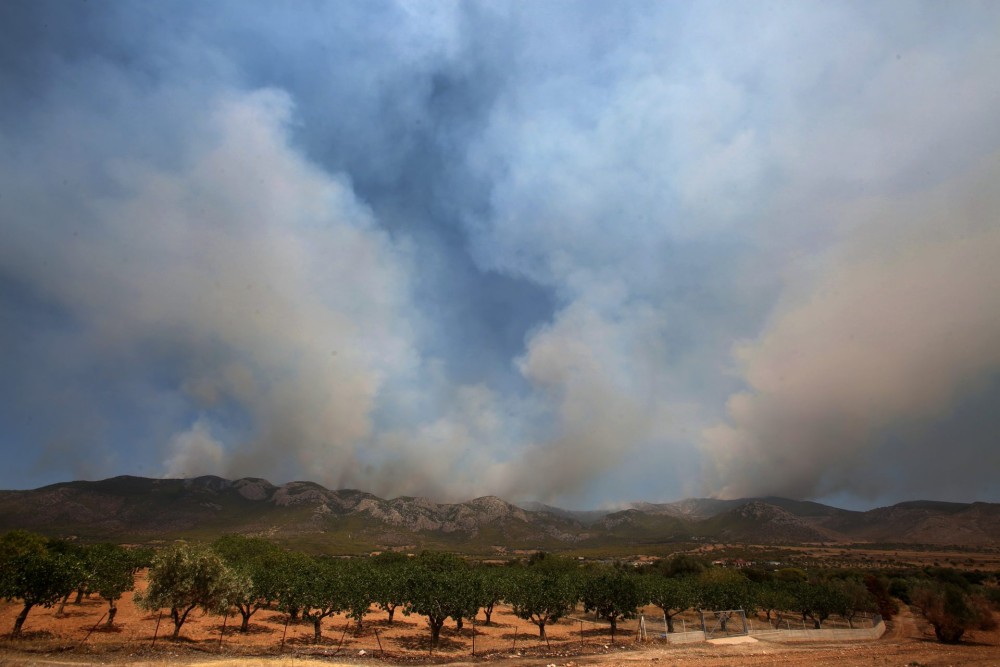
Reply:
x=320, y=590
x=111, y=569
x=853, y=599
x=183, y=578
x=389, y=585
x=774, y=597
x=437, y=588
x=612, y=594
x=361, y=584
x=721, y=588
x=817, y=599
x=672, y=595
x=681, y=565
x=251, y=559
x=34, y=574
x=494, y=585
x=544, y=592
x=950, y=610
x=291, y=583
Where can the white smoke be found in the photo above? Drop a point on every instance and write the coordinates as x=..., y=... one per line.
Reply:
x=261, y=275
x=901, y=323
x=195, y=452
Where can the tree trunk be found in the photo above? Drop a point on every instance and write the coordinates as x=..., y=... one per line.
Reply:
x=79, y=595
x=19, y=621
x=459, y=623
x=179, y=619
x=112, y=610
x=488, y=611
x=62, y=606
x=245, y=625
x=317, y=629
x=948, y=634
x=670, y=622
x=391, y=608
x=436, y=625
x=541, y=629
x=175, y=615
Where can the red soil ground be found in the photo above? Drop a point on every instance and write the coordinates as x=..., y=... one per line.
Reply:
x=78, y=637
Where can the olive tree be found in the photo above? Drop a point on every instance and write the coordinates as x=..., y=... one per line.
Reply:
x=949, y=609
x=816, y=600
x=612, y=594
x=436, y=588
x=359, y=582
x=291, y=571
x=389, y=571
x=494, y=584
x=853, y=598
x=545, y=593
x=681, y=565
x=253, y=561
x=467, y=595
x=672, y=595
x=319, y=590
x=33, y=574
x=75, y=555
x=110, y=574
x=774, y=597
x=720, y=588
x=183, y=578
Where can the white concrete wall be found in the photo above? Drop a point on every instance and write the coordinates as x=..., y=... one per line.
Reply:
x=684, y=637
x=839, y=634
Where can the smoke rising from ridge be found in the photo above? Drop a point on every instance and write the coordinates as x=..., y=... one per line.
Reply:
x=241, y=266
x=898, y=329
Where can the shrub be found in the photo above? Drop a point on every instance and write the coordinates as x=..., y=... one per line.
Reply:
x=950, y=610
x=887, y=607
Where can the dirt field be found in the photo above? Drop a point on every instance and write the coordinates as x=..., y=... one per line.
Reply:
x=49, y=640
x=860, y=555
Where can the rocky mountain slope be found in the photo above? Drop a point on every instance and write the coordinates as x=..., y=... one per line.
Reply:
x=140, y=509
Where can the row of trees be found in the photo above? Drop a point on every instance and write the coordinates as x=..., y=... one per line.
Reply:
x=41, y=572
x=248, y=574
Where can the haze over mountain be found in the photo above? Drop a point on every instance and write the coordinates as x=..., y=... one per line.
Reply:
x=139, y=509
x=580, y=252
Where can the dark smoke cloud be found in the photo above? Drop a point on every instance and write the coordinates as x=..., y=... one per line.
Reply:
x=505, y=248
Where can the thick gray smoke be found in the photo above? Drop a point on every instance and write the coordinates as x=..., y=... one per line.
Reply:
x=256, y=282
x=861, y=362
x=457, y=249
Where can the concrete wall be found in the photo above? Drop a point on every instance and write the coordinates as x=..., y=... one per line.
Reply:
x=838, y=634
x=683, y=637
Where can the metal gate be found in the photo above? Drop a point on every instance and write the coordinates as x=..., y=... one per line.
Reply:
x=726, y=623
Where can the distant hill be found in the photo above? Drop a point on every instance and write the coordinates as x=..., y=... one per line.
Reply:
x=137, y=509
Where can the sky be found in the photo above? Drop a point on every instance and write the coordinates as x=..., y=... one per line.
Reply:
x=585, y=253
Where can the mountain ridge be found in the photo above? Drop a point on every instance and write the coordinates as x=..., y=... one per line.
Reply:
x=148, y=509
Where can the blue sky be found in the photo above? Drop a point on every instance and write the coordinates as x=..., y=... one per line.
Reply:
x=559, y=251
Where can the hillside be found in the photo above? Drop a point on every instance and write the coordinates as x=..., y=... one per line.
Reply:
x=137, y=509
